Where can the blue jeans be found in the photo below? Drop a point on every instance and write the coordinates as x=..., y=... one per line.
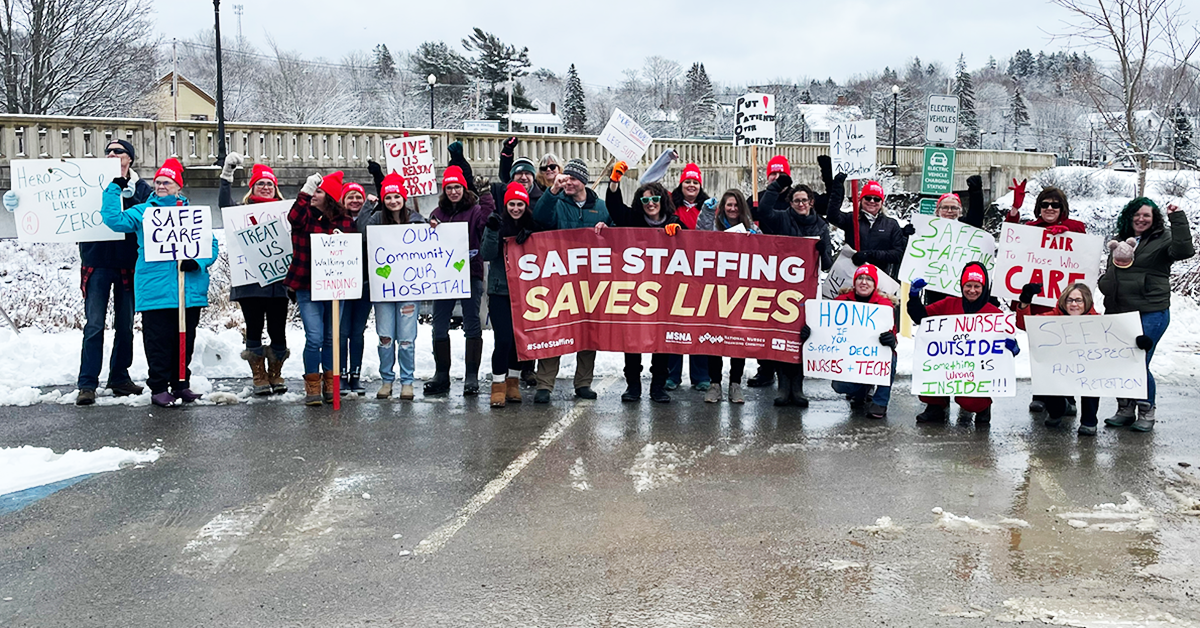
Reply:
x=397, y=324
x=101, y=282
x=883, y=394
x=697, y=367
x=442, y=310
x=1154, y=324
x=354, y=324
x=317, y=317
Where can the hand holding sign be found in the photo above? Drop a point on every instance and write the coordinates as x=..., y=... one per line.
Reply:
x=58, y=200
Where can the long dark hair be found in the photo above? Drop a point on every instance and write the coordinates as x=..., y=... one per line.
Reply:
x=332, y=209
x=468, y=201
x=405, y=213
x=1125, y=219
x=743, y=210
x=655, y=189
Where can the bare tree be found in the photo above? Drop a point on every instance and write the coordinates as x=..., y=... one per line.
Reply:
x=1142, y=35
x=662, y=74
x=293, y=91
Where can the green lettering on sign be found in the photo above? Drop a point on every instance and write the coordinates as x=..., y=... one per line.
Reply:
x=928, y=206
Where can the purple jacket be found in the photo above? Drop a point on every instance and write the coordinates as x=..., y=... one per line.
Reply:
x=476, y=219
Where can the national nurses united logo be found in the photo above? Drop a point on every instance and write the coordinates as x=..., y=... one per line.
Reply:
x=779, y=344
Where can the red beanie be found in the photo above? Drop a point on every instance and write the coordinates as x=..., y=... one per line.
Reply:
x=262, y=171
x=973, y=273
x=172, y=170
x=353, y=187
x=691, y=171
x=872, y=188
x=332, y=184
x=516, y=192
x=949, y=195
x=869, y=270
x=453, y=175
x=394, y=184
x=779, y=163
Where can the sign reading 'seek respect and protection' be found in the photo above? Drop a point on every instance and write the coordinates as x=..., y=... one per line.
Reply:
x=1089, y=356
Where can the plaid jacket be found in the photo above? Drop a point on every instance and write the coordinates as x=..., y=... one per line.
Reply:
x=307, y=220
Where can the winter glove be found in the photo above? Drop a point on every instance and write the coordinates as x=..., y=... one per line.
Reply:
x=1028, y=291
x=1144, y=342
x=523, y=235
x=909, y=230
x=375, y=169
x=11, y=200
x=233, y=161
x=1018, y=193
x=311, y=184
x=291, y=294
x=859, y=258
x=121, y=182
x=1056, y=229
x=840, y=177
x=783, y=182
x=618, y=171
x=975, y=183
x=189, y=265
x=510, y=146
x=671, y=229
x=826, y=165
x=914, y=290
x=710, y=204
x=1011, y=345
x=455, y=148
x=805, y=332
x=493, y=222
x=888, y=339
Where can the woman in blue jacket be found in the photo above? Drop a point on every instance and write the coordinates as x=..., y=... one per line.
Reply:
x=156, y=288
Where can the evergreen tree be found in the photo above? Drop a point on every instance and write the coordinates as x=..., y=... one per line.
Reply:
x=699, y=114
x=1183, y=148
x=440, y=60
x=496, y=63
x=574, y=109
x=1022, y=65
x=385, y=65
x=1018, y=111
x=968, y=123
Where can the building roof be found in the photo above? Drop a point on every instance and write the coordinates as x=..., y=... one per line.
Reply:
x=543, y=119
x=166, y=79
x=824, y=117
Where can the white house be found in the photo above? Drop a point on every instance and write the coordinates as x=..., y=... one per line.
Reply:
x=1103, y=144
x=817, y=121
x=543, y=119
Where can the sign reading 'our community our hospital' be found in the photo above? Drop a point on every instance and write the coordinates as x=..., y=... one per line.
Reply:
x=59, y=199
x=419, y=263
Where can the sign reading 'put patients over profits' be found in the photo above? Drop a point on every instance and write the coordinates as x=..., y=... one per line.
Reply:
x=844, y=344
x=754, y=120
x=336, y=266
x=412, y=158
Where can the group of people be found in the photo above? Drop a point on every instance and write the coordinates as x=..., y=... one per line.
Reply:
x=550, y=195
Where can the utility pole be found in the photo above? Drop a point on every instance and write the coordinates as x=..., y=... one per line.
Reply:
x=174, y=79
x=220, y=89
x=510, y=91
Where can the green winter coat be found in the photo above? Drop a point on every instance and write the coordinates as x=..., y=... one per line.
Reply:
x=1146, y=285
x=559, y=211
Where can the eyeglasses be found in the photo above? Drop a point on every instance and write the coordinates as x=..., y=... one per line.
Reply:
x=162, y=184
x=872, y=199
x=549, y=167
x=115, y=151
x=1075, y=300
x=1051, y=205
x=801, y=201
x=646, y=200
x=263, y=183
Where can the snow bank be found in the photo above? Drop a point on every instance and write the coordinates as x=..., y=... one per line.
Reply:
x=27, y=467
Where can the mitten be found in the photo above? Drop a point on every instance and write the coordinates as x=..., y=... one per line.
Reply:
x=311, y=184
x=619, y=169
x=189, y=265
x=1018, y=193
x=859, y=258
x=1056, y=229
x=914, y=290
x=711, y=203
x=375, y=169
x=826, y=165
x=510, y=146
x=1011, y=345
x=1028, y=291
x=805, y=332
x=11, y=200
x=783, y=181
x=121, y=182
x=233, y=161
x=493, y=222
x=888, y=339
x=455, y=148
x=1144, y=342
x=671, y=229
x=974, y=182
x=909, y=230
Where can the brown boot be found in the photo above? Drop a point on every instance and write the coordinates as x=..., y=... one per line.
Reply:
x=275, y=362
x=497, y=394
x=512, y=389
x=327, y=385
x=312, y=389
x=258, y=369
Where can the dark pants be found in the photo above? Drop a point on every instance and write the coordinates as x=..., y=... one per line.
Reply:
x=658, y=368
x=716, y=364
x=443, y=310
x=1056, y=407
x=504, y=352
x=273, y=311
x=697, y=368
x=101, y=283
x=160, y=335
x=353, y=326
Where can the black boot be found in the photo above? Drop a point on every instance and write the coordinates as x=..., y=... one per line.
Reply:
x=658, y=381
x=354, y=383
x=785, y=389
x=474, y=355
x=659, y=394
x=440, y=384
x=932, y=414
x=798, y=397
x=633, y=387
x=764, y=377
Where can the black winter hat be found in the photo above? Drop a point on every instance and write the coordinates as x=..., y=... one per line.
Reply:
x=577, y=169
x=126, y=145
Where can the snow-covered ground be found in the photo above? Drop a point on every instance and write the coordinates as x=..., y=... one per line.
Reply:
x=27, y=467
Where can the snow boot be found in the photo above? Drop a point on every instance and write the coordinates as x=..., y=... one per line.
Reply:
x=785, y=389
x=406, y=392
x=984, y=416
x=1145, y=417
x=440, y=384
x=186, y=395
x=355, y=384
x=385, y=391
x=658, y=393
x=932, y=414
x=498, y=394
x=1126, y=408
x=327, y=386
x=312, y=389
x=1036, y=407
x=163, y=399
x=474, y=355
x=798, y=398
x=512, y=390
x=764, y=377
x=633, y=387
x=876, y=411
x=275, y=360
x=258, y=370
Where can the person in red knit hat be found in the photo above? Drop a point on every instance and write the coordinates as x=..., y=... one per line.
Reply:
x=864, y=290
x=354, y=314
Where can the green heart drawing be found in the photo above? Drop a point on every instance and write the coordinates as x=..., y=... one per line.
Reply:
x=384, y=271
x=459, y=264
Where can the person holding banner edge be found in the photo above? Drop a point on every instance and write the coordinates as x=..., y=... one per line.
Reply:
x=733, y=212
x=515, y=220
x=863, y=290
x=156, y=289
x=687, y=198
x=262, y=306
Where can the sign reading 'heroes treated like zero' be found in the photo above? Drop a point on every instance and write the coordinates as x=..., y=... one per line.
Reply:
x=844, y=344
x=1090, y=356
x=642, y=291
x=964, y=355
x=60, y=199
x=1034, y=255
x=177, y=232
x=939, y=250
x=418, y=262
x=336, y=266
x=412, y=158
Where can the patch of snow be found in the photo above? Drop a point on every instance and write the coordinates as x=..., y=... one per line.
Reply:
x=839, y=565
x=579, y=476
x=954, y=523
x=1130, y=516
x=658, y=464
x=1087, y=613
x=26, y=467
x=884, y=527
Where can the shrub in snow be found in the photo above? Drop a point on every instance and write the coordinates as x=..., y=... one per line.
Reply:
x=1177, y=185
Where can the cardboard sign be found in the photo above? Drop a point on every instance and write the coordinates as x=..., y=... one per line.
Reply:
x=940, y=249
x=60, y=199
x=336, y=266
x=941, y=120
x=238, y=217
x=412, y=157
x=1034, y=255
x=754, y=120
x=1088, y=356
x=177, y=232
x=844, y=344
x=266, y=251
x=852, y=148
x=965, y=355
x=624, y=138
x=418, y=262
x=841, y=275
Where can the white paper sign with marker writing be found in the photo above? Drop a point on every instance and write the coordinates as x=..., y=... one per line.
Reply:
x=841, y=275
x=844, y=344
x=336, y=266
x=419, y=263
x=1034, y=255
x=624, y=138
x=238, y=217
x=1088, y=356
x=940, y=249
x=266, y=251
x=177, y=232
x=59, y=199
x=412, y=158
x=964, y=355
x=852, y=149
x=754, y=120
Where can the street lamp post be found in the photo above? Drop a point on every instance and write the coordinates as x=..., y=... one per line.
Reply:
x=432, y=81
x=895, y=105
x=220, y=88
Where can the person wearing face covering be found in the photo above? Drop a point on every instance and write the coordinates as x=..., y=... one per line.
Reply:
x=976, y=291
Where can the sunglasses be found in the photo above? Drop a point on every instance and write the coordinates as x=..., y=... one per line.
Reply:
x=1051, y=205
x=549, y=168
x=115, y=151
x=646, y=200
x=872, y=199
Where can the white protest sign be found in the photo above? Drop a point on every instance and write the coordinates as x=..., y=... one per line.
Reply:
x=59, y=199
x=266, y=251
x=419, y=263
x=754, y=120
x=852, y=148
x=941, y=121
x=844, y=344
x=239, y=217
x=940, y=249
x=1088, y=356
x=1034, y=255
x=336, y=266
x=624, y=138
x=412, y=158
x=176, y=232
x=841, y=275
x=964, y=355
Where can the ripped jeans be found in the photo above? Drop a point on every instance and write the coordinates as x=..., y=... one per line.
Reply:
x=396, y=324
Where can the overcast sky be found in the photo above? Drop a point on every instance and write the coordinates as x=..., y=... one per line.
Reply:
x=738, y=42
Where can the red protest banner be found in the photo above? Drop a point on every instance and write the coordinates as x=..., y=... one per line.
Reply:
x=642, y=291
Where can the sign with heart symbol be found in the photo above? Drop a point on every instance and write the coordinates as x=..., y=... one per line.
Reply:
x=419, y=263
x=384, y=271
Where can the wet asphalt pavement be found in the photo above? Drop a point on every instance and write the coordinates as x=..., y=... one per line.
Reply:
x=448, y=513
